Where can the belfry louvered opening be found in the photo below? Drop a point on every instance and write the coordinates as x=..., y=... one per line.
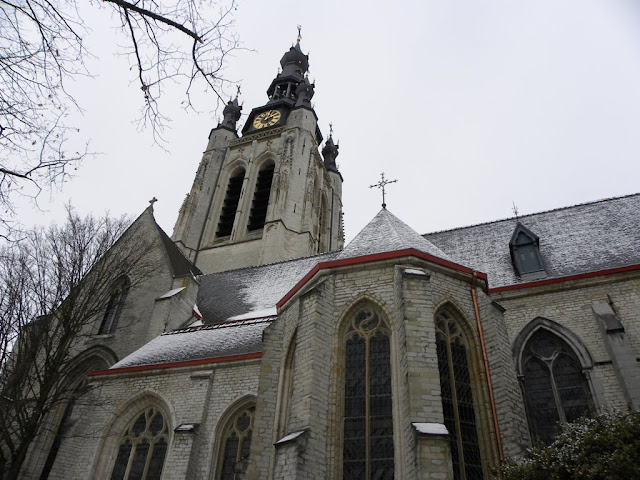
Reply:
x=230, y=206
x=260, y=203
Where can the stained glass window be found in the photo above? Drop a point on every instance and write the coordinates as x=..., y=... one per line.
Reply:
x=555, y=387
x=457, y=398
x=230, y=205
x=237, y=442
x=143, y=448
x=368, y=421
x=261, y=195
x=119, y=292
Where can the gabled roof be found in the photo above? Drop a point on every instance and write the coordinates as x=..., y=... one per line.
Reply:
x=520, y=228
x=387, y=233
x=575, y=240
x=180, y=265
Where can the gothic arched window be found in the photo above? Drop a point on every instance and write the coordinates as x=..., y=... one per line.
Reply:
x=143, y=448
x=555, y=388
x=230, y=205
x=119, y=292
x=457, y=398
x=261, y=195
x=368, y=421
x=236, y=441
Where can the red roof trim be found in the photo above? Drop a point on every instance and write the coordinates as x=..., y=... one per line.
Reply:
x=539, y=283
x=186, y=363
x=374, y=258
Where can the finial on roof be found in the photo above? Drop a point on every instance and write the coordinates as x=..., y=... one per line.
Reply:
x=238, y=90
x=515, y=209
x=330, y=129
x=299, y=34
x=381, y=185
x=151, y=202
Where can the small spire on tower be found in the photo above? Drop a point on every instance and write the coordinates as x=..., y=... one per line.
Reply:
x=299, y=34
x=330, y=152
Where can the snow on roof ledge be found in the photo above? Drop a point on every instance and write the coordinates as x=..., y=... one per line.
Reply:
x=171, y=293
x=291, y=436
x=431, y=428
x=267, y=312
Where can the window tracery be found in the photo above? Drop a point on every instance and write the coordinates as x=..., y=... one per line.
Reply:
x=237, y=443
x=457, y=398
x=143, y=448
x=555, y=388
x=368, y=420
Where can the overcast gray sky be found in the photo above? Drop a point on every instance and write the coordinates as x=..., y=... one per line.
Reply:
x=471, y=105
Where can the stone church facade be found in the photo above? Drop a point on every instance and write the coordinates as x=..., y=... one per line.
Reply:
x=399, y=355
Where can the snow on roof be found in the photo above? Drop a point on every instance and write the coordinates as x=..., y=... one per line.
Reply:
x=584, y=238
x=267, y=312
x=387, y=233
x=194, y=343
x=431, y=428
x=235, y=293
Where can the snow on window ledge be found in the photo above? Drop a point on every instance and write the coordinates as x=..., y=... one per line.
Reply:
x=431, y=428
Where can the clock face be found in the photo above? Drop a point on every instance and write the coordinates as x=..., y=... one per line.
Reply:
x=267, y=119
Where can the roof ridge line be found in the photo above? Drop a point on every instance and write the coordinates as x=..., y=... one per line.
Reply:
x=592, y=202
x=273, y=263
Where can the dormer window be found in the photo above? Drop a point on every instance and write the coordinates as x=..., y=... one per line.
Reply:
x=525, y=251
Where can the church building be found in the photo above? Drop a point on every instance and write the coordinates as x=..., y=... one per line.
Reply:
x=400, y=355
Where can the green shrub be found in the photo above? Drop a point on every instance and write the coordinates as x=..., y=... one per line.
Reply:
x=603, y=448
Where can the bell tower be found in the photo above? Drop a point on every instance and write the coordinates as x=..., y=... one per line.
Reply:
x=268, y=195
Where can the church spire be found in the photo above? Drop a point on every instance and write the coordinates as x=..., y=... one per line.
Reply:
x=283, y=88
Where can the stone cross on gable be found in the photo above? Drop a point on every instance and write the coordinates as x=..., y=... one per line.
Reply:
x=381, y=185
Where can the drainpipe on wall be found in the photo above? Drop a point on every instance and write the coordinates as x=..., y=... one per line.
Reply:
x=492, y=401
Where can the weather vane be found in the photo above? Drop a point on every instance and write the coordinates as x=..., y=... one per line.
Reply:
x=515, y=209
x=381, y=184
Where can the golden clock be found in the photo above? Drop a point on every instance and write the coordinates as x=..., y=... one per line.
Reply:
x=267, y=119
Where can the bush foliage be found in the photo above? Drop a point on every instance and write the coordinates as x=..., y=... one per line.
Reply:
x=603, y=448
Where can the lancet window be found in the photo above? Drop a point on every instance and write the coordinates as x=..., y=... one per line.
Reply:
x=261, y=195
x=555, y=388
x=143, y=448
x=237, y=442
x=230, y=205
x=457, y=397
x=119, y=291
x=368, y=420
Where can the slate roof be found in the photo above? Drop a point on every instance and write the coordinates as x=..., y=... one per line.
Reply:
x=235, y=292
x=387, y=233
x=208, y=341
x=583, y=238
x=180, y=265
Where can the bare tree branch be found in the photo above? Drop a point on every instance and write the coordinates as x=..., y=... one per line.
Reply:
x=42, y=47
x=54, y=285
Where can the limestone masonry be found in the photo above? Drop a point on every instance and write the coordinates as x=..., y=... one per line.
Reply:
x=399, y=355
